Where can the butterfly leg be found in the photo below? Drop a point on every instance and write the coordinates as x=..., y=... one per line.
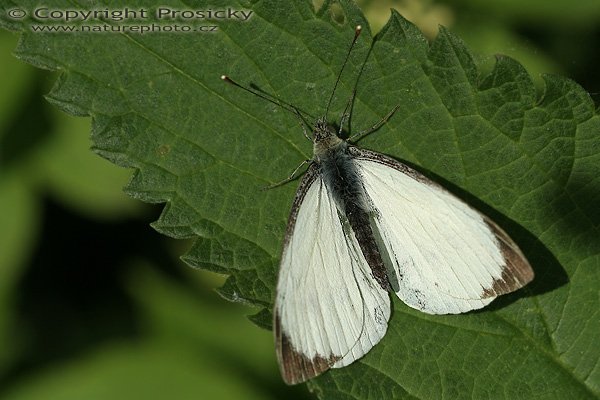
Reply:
x=301, y=121
x=372, y=129
x=289, y=178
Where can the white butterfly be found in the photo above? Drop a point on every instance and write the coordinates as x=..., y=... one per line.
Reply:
x=363, y=225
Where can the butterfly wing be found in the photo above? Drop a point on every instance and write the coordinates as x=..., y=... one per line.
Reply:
x=447, y=257
x=328, y=309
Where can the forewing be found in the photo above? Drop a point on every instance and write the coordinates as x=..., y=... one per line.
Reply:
x=329, y=311
x=447, y=257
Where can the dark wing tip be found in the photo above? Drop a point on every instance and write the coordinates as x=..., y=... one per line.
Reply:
x=517, y=270
x=296, y=367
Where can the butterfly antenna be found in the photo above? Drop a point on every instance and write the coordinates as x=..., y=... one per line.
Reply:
x=286, y=106
x=256, y=88
x=356, y=34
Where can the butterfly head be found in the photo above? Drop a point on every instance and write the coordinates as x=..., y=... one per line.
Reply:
x=324, y=137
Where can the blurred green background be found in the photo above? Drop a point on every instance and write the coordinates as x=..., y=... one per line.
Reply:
x=94, y=304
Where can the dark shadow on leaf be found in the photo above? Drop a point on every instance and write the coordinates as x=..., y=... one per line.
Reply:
x=585, y=200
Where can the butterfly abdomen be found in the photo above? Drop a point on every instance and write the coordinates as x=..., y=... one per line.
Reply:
x=343, y=180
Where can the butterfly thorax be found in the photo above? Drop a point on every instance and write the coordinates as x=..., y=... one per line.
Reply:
x=341, y=176
x=337, y=168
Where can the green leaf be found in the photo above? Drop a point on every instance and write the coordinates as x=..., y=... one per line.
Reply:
x=207, y=149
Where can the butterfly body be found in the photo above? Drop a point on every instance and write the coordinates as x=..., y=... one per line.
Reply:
x=336, y=166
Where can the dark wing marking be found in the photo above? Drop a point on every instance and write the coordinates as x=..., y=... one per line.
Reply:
x=296, y=367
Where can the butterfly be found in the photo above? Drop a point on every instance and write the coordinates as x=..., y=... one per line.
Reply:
x=364, y=225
